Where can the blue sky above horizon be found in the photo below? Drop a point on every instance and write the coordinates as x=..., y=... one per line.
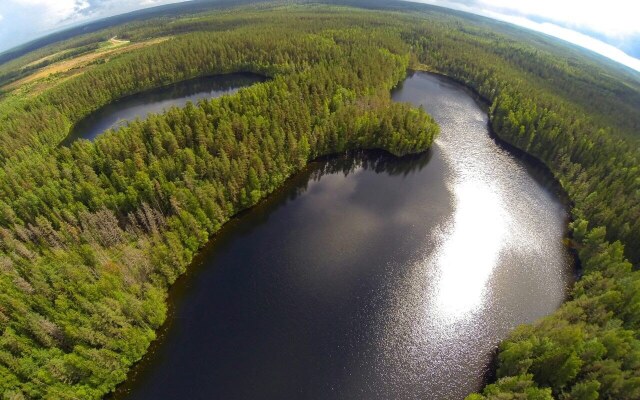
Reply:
x=611, y=28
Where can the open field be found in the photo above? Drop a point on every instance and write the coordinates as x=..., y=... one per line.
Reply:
x=93, y=235
x=47, y=76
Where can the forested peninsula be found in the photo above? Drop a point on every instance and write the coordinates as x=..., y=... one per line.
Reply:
x=92, y=235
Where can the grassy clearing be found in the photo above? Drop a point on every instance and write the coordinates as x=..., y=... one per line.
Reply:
x=50, y=75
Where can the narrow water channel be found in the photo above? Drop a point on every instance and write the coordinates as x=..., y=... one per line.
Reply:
x=140, y=105
x=370, y=277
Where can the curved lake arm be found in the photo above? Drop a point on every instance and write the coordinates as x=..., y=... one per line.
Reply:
x=114, y=222
x=92, y=235
x=158, y=100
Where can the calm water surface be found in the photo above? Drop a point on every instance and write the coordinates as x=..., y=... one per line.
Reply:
x=370, y=277
x=118, y=113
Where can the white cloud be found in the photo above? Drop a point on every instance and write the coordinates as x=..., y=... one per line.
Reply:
x=25, y=20
x=559, y=18
x=574, y=37
x=49, y=14
x=613, y=18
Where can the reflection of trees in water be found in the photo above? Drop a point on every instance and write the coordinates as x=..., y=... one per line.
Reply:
x=143, y=101
x=377, y=161
x=209, y=84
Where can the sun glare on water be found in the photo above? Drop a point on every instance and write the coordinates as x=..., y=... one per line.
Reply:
x=469, y=251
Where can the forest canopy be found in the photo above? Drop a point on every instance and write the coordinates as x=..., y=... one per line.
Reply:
x=92, y=235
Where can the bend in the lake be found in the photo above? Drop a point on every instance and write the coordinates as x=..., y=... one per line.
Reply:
x=370, y=276
x=158, y=100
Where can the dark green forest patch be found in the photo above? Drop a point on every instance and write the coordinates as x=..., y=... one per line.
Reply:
x=92, y=236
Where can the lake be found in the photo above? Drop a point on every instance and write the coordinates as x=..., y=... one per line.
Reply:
x=368, y=276
x=140, y=105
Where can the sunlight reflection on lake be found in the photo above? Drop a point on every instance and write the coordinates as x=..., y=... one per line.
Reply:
x=469, y=250
x=371, y=277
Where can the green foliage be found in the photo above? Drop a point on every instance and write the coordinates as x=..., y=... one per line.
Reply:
x=587, y=135
x=519, y=387
x=590, y=347
x=92, y=235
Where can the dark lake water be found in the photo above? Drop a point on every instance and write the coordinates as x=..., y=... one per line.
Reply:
x=370, y=277
x=118, y=113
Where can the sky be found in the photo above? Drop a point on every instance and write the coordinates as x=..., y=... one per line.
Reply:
x=24, y=20
x=611, y=27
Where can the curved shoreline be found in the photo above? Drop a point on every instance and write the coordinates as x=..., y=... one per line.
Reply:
x=73, y=133
x=520, y=153
x=180, y=288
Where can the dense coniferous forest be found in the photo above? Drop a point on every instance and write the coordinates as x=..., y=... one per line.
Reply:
x=93, y=234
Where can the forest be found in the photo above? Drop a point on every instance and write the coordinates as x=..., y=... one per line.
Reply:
x=94, y=234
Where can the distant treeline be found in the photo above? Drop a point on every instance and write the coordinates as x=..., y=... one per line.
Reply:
x=589, y=348
x=169, y=10
x=91, y=236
